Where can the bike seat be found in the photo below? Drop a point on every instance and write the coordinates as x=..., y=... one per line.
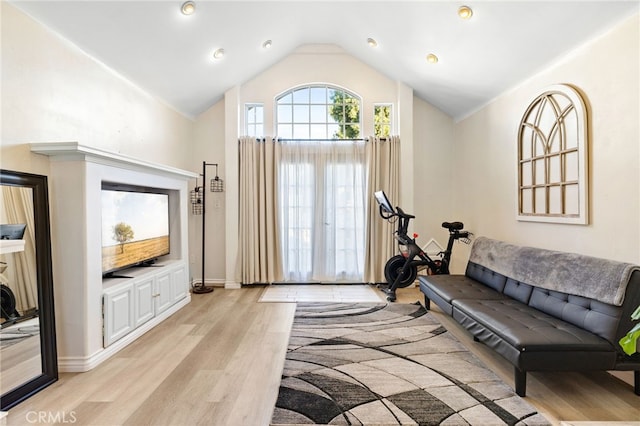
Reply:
x=453, y=226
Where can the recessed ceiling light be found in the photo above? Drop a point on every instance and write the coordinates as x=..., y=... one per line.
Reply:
x=267, y=44
x=465, y=12
x=188, y=8
x=432, y=59
x=371, y=42
x=218, y=54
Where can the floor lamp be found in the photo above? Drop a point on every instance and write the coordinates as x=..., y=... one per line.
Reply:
x=217, y=185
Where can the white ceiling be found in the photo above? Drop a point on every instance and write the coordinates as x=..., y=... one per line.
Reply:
x=170, y=55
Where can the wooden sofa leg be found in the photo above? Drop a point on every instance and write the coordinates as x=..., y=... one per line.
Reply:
x=520, y=379
x=427, y=303
x=636, y=382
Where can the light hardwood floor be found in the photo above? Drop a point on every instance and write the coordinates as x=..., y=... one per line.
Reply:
x=218, y=362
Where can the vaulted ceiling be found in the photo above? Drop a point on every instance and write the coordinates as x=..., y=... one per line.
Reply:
x=170, y=55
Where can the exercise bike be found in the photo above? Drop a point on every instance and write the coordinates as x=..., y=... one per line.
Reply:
x=402, y=270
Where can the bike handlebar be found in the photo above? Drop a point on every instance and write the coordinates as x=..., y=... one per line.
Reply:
x=404, y=215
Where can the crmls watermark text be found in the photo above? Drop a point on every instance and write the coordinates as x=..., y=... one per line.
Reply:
x=51, y=416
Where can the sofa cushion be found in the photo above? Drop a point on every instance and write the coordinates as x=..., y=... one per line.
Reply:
x=528, y=329
x=452, y=287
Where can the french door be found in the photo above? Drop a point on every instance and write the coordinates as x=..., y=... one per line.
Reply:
x=322, y=202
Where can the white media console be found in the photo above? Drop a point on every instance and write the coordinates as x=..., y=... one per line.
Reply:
x=97, y=317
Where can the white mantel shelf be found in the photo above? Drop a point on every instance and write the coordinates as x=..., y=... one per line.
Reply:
x=75, y=151
x=11, y=246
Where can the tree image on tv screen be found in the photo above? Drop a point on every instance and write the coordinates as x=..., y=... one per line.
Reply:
x=122, y=233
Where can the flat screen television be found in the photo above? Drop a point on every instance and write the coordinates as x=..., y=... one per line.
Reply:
x=135, y=227
x=12, y=231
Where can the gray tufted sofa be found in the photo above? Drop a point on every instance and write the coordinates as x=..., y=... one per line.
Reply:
x=542, y=310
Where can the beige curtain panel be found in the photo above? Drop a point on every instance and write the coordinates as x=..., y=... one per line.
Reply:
x=259, y=253
x=383, y=162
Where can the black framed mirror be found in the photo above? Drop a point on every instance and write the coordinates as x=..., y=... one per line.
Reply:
x=27, y=321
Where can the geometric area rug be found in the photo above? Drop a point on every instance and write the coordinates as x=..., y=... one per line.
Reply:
x=388, y=364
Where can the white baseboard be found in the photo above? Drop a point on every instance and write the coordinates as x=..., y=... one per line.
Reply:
x=82, y=364
x=232, y=285
x=214, y=282
x=217, y=282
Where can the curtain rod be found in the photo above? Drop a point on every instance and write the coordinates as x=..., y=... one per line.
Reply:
x=318, y=140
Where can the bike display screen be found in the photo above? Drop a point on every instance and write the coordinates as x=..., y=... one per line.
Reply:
x=383, y=201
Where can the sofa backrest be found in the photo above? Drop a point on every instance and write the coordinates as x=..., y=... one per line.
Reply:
x=599, y=318
x=587, y=276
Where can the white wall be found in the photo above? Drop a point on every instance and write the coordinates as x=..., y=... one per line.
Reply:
x=209, y=146
x=53, y=92
x=607, y=71
x=434, y=167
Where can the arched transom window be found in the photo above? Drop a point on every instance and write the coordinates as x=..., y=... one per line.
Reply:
x=318, y=112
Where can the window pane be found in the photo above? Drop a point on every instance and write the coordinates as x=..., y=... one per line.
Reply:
x=301, y=96
x=333, y=131
x=253, y=117
x=301, y=131
x=348, y=98
x=352, y=131
x=251, y=114
x=331, y=94
x=285, y=113
x=318, y=95
x=319, y=131
x=285, y=131
x=286, y=99
x=382, y=120
x=334, y=113
x=301, y=113
x=318, y=113
x=352, y=113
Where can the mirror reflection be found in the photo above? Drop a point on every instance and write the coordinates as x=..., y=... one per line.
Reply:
x=20, y=348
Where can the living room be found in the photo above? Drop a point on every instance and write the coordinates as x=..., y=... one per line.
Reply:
x=454, y=167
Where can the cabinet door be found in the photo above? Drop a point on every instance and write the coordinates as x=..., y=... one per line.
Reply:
x=119, y=313
x=179, y=283
x=145, y=309
x=163, y=295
